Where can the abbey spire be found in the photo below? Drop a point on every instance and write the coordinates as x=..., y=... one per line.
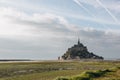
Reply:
x=78, y=41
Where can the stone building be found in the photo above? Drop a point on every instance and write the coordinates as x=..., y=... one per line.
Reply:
x=79, y=51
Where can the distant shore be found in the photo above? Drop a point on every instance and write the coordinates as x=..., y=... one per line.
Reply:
x=15, y=60
x=28, y=60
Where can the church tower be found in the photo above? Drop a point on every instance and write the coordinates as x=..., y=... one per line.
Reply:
x=78, y=41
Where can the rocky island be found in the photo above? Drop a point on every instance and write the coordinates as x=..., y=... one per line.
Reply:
x=79, y=51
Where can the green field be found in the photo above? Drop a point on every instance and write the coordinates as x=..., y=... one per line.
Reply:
x=50, y=70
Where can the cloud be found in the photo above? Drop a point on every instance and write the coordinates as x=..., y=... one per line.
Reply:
x=97, y=13
x=44, y=8
x=22, y=24
x=108, y=11
x=8, y=28
x=39, y=35
x=80, y=4
x=110, y=4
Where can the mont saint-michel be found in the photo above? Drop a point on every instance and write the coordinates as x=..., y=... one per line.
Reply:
x=79, y=51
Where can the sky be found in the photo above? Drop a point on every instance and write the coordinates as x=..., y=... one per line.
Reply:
x=45, y=29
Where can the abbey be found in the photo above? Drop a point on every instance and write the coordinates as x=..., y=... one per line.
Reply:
x=79, y=51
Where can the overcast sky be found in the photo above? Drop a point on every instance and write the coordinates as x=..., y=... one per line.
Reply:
x=45, y=29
